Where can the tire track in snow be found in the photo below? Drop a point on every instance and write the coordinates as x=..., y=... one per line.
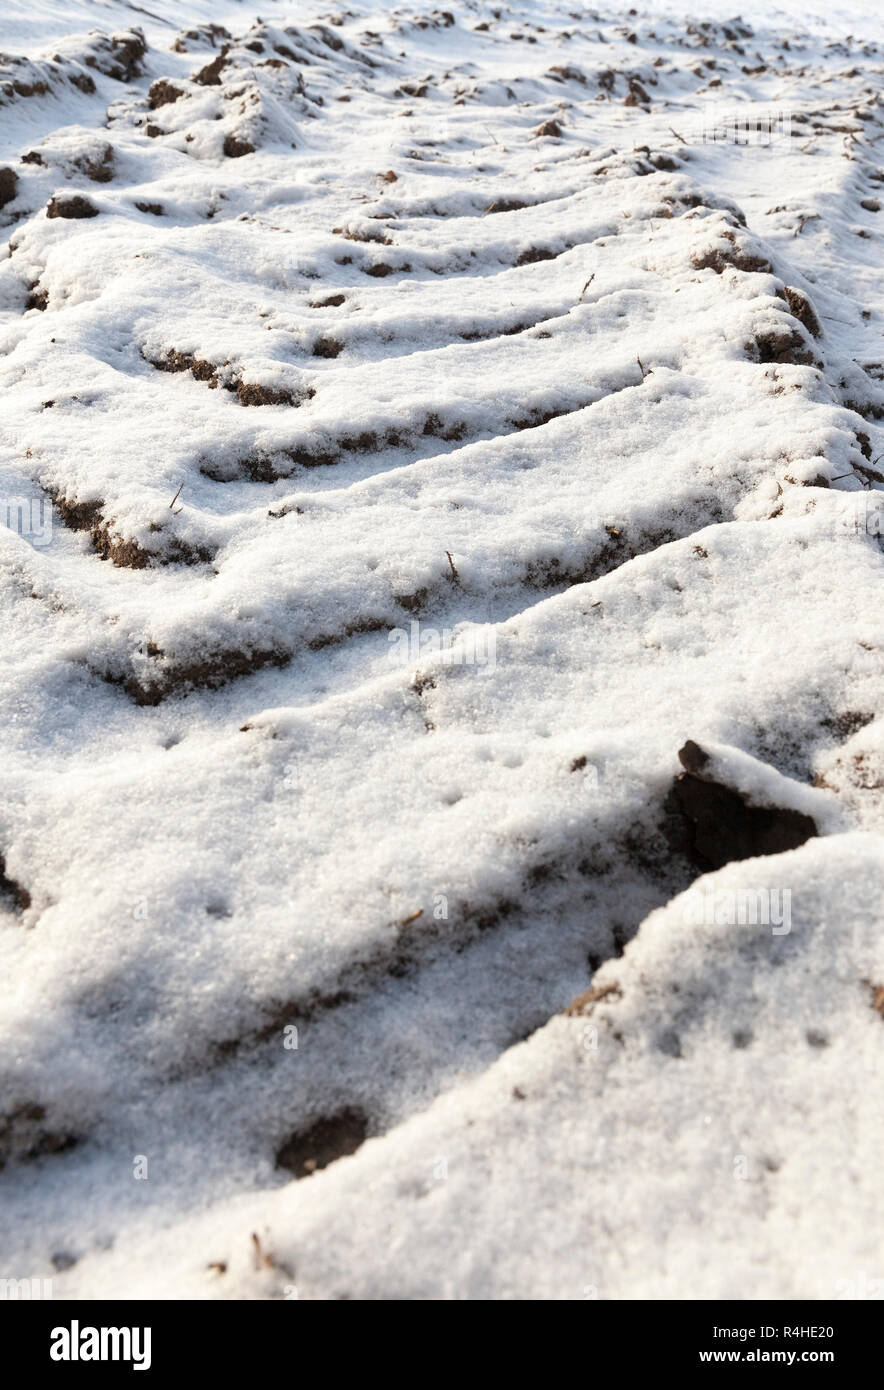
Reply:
x=324, y=565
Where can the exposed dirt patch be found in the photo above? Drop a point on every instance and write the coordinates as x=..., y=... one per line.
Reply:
x=262, y=468
x=416, y=602
x=327, y=347
x=532, y=254
x=71, y=207
x=559, y=73
x=201, y=34
x=323, y=1143
x=25, y=1133
x=120, y=56
x=784, y=345
x=128, y=554
x=210, y=75
x=801, y=308
x=521, y=326
x=372, y=236
x=715, y=825
x=8, y=186
x=12, y=891
x=620, y=547
x=122, y=552
x=211, y=673
x=248, y=393
x=848, y=723
x=381, y=269
x=186, y=362
x=235, y=148
x=37, y=298
x=163, y=93
x=99, y=167
x=738, y=255
x=507, y=205
x=636, y=96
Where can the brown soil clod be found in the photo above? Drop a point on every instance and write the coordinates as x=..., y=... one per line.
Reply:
x=124, y=553
x=211, y=673
x=183, y=362
x=163, y=93
x=550, y=130
x=37, y=298
x=737, y=255
x=123, y=59
x=801, y=308
x=74, y=207
x=414, y=603
x=847, y=723
x=250, y=394
x=782, y=345
x=24, y=1134
x=235, y=148
x=716, y=825
x=11, y=890
x=566, y=74
x=327, y=347
x=247, y=393
x=325, y=1141
x=506, y=205
x=98, y=167
x=637, y=96
x=210, y=75
x=203, y=33
x=532, y=254
x=372, y=236
x=8, y=186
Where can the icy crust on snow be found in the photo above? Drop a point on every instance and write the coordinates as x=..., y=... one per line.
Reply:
x=423, y=476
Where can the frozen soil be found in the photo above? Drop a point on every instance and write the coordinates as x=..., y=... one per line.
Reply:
x=442, y=589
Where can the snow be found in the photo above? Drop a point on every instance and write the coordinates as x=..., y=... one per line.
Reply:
x=344, y=682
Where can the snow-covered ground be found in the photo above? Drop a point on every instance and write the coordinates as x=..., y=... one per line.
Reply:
x=418, y=424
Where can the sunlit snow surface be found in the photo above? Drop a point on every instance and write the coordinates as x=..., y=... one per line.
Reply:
x=416, y=423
